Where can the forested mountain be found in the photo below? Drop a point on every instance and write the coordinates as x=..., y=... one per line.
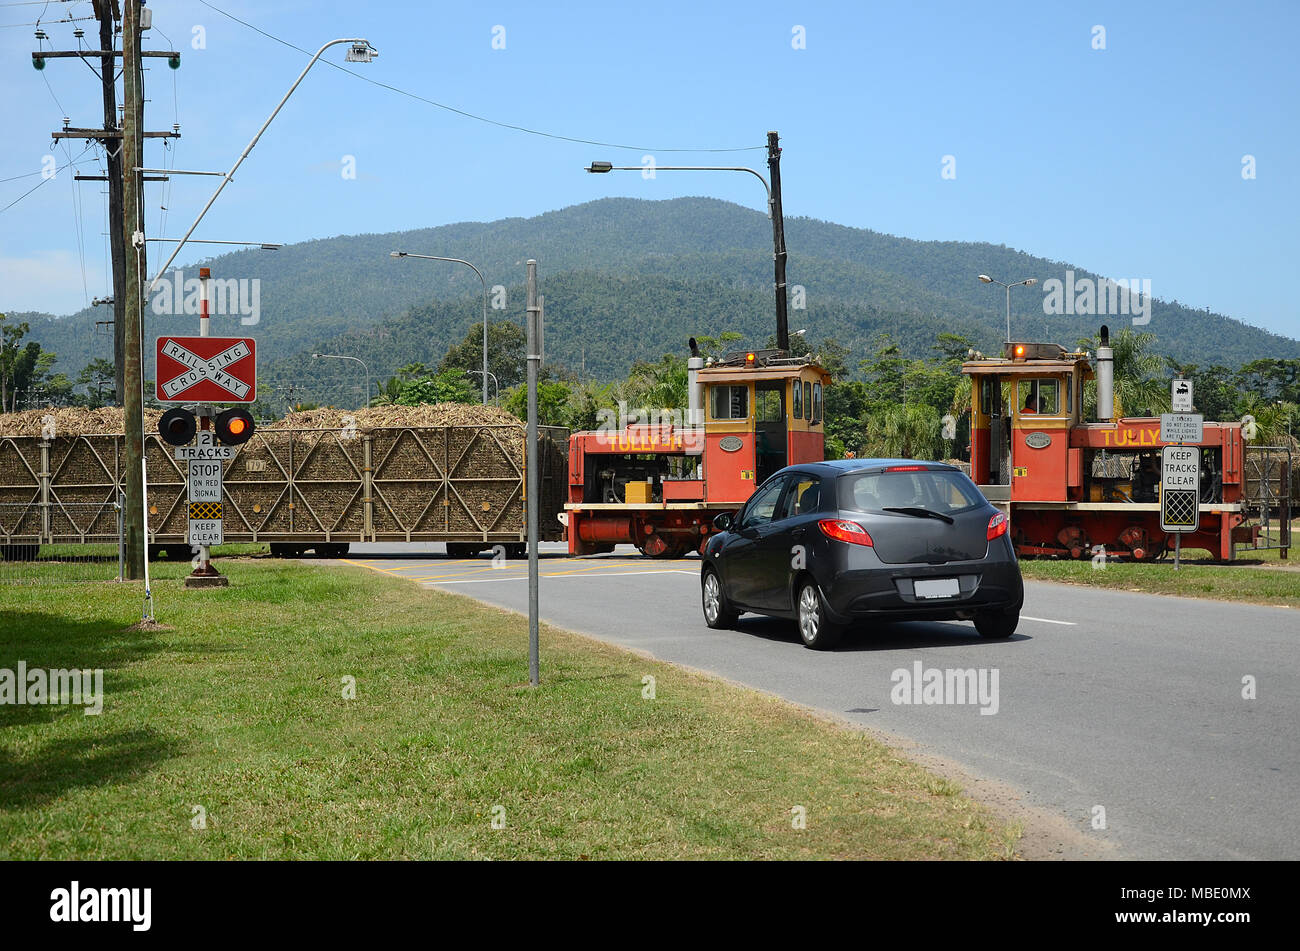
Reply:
x=627, y=279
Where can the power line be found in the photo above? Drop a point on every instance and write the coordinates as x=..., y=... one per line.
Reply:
x=73, y=164
x=462, y=112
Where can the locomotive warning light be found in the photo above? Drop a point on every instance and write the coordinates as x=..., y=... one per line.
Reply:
x=234, y=426
x=177, y=426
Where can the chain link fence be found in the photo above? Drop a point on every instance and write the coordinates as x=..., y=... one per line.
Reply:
x=57, y=540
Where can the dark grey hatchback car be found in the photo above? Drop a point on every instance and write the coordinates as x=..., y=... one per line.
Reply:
x=828, y=544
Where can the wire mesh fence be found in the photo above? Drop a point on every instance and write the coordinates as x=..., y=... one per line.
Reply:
x=43, y=541
x=1272, y=496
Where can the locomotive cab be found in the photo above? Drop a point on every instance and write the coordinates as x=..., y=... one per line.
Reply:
x=1023, y=408
x=762, y=411
x=659, y=487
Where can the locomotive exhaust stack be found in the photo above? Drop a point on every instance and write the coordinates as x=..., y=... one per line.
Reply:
x=1105, y=378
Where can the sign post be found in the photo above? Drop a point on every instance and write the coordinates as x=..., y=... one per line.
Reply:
x=204, y=461
x=1180, y=493
x=533, y=483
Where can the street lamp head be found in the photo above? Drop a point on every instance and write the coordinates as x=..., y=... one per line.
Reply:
x=1031, y=282
x=600, y=167
x=986, y=279
x=397, y=254
x=361, y=52
x=315, y=356
x=271, y=247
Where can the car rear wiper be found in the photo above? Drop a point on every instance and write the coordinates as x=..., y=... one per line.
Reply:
x=917, y=511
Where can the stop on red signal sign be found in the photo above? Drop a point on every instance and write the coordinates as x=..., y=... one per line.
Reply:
x=206, y=370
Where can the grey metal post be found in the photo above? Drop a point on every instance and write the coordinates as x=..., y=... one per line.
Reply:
x=1008, y=311
x=119, y=504
x=485, y=341
x=534, y=359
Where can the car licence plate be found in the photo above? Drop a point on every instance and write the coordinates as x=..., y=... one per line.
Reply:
x=936, y=588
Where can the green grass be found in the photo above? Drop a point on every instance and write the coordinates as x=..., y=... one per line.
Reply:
x=89, y=562
x=238, y=708
x=1195, y=579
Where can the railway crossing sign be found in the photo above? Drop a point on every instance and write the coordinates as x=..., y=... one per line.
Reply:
x=1181, y=427
x=1180, y=488
x=1180, y=396
x=206, y=369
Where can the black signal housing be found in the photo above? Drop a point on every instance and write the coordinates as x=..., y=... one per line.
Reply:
x=177, y=426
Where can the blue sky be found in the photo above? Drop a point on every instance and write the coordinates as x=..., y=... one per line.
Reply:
x=1126, y=161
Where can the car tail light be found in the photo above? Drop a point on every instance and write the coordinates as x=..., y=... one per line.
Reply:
x=843, y=530
x=907, y=469
x=997, y=526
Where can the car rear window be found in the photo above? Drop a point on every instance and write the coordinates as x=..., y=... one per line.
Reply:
x=939, y=490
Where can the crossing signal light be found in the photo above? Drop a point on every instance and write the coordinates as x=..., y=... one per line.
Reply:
x=234, y=426
x=177, y=426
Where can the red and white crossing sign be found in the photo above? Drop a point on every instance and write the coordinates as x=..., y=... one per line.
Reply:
x=206, y=370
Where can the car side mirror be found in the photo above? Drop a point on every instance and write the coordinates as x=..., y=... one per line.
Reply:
x=723, y=521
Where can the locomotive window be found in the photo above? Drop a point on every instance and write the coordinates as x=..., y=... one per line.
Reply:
x=796, y=392
x=817, y=404
x=767, y=405
x=729, y=402
x=986, y=397
x=1040, y=396
x=807, y=401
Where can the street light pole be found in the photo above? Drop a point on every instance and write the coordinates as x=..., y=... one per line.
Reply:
x=496, y=384
x=774, y=211
x=483, y=280
x=341, y=356
x=361, y=52
x=1028, y=282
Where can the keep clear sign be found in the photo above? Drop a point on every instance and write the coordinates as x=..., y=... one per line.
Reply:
x=1180, y=488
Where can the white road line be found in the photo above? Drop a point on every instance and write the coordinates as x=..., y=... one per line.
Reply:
x=1048, y=620
x=607, y=574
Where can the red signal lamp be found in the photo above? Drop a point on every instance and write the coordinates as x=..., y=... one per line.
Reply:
x=234, y=426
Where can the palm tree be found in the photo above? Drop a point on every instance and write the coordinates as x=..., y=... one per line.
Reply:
x=907, y=431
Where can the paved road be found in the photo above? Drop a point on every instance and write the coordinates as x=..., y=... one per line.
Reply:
x=1128, y=701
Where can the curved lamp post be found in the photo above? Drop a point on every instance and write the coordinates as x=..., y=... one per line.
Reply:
x=340, y=356
x=1029, y=282
x=483, y=280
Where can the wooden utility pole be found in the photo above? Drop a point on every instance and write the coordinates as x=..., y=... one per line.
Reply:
x=778, y=242
x=113, y=151
x=127, y=308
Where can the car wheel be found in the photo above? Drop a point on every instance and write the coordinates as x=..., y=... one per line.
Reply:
x=816, y=629
x=718, y=612
x=996, y=624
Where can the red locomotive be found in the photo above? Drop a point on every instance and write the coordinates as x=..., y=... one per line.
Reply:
x=1071, y=487
x=658, y=485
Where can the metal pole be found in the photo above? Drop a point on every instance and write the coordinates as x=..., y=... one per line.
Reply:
x=534, y=359
x=485, y=341
x=1008, y=287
